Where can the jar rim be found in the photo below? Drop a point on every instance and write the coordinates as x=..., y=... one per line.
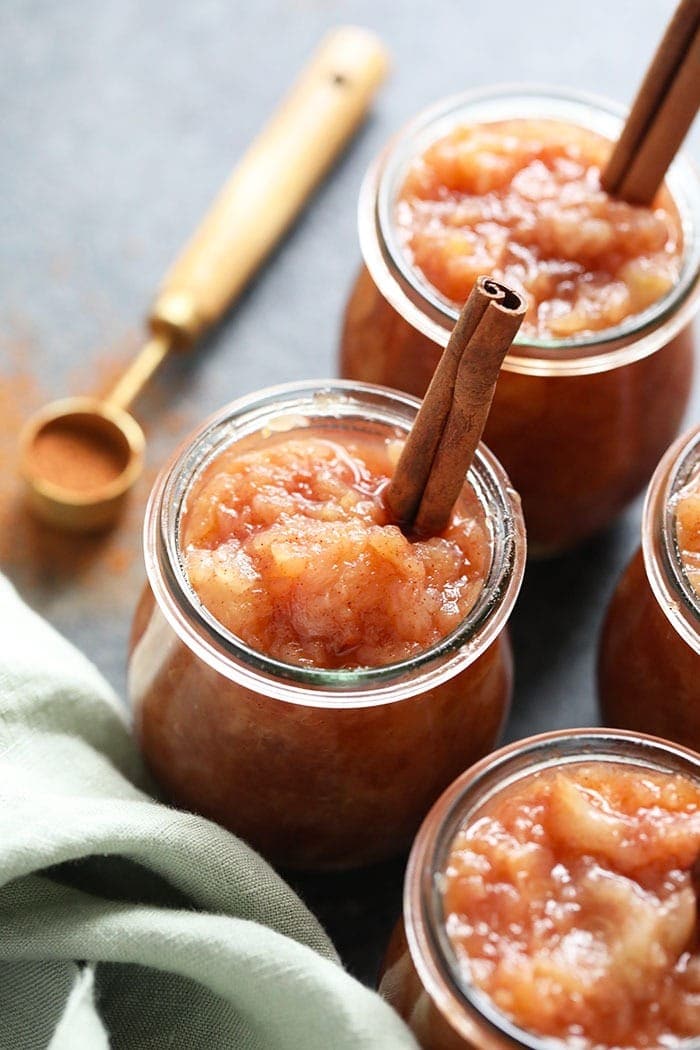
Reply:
x=318, y=687
x=662, y=559
x=466, y=1008
x=434, y=316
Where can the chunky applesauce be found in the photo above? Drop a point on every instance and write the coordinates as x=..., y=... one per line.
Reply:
x=688, y=528
x=289, y=545
x=570, y=900
x=521, y=200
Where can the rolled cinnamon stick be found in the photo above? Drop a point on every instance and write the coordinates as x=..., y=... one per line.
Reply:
x=403, y=495
x=443, y=439
x=662, y=113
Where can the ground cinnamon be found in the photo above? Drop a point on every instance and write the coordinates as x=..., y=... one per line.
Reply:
x=81, y=460
x=103, y=572
x=443, y=439
x=662, y=113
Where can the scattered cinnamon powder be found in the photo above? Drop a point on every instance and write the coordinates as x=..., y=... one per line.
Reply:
x=104, y=570
x=78, y=454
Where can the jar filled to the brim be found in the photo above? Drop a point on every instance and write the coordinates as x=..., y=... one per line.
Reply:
x=505, y=181
x=550, y=900
x=301, y=671
x=649, y=654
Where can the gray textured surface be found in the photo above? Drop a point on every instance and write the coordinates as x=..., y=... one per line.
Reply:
x=119, y=122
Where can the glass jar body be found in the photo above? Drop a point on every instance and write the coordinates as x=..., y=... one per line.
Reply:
x=648, y=676
x=315, y=776
x=578, y=425
x=310, y=788
x=402, y=987
x=649, y=653
x=420, y=976
x=578, y=448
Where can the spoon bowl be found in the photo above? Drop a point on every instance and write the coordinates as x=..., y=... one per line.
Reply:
x=79, y=457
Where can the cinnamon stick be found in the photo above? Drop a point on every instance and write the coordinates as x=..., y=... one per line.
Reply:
x=411, y=475
x=662, y=113
x=443, y=439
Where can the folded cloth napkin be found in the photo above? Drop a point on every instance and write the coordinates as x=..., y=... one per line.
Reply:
x=125, y=923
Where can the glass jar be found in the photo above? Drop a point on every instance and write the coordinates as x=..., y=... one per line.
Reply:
x=421, y=976
x=649, y=654
x=315, y=768
x=579, y=423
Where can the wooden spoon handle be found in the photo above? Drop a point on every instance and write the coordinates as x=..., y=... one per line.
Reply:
x=272, y=182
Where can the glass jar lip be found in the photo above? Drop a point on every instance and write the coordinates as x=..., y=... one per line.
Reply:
x=662, y=561
x=316, y=687
x=432, y=315
x=468, y=1010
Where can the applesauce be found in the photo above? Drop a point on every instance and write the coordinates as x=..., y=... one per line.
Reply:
x=291, y=547
x=521, y=200
x=550, y=895
x=649, y=651
x=596, y=383
x=687, y=508
x=592, y=866
x=300, y=671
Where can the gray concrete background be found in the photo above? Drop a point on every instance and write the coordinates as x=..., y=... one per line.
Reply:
x=118, y=123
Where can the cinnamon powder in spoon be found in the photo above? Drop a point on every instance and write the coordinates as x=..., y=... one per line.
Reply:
x=68, y=453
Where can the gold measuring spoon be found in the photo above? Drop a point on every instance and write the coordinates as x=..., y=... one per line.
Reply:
x=81, y=455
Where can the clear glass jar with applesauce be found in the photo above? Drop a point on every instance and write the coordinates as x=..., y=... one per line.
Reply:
x=317, y=768
x=592, y=926
x=649, y=654
x=579, y=422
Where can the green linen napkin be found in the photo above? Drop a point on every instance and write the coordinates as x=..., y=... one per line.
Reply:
x=125, y=923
